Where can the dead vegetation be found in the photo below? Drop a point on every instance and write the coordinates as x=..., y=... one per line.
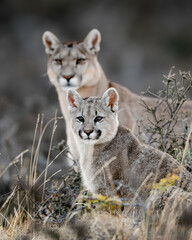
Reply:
x=41, y=207
x=161, y=131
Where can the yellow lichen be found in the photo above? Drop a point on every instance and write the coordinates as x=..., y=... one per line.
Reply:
x=167, y=182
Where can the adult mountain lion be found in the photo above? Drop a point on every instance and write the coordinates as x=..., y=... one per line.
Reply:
x=75, y=65
x=109, y=151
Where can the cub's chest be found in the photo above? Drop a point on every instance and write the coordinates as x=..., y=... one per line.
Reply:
x=86, y=166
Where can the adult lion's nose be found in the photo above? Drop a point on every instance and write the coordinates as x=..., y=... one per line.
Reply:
x=68, y=77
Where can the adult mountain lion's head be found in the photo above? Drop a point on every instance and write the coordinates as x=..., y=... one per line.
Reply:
x=73, y=64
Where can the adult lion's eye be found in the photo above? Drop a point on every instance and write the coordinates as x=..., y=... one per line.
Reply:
x=80, y=60
x=81, y=119
x=57, y=61
x=98, y=119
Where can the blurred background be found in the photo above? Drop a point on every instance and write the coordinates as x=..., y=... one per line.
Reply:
x=141, y=40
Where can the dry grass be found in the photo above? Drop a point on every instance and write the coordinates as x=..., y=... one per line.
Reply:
x=17, y=211
x=57, y=213
x=20, y=210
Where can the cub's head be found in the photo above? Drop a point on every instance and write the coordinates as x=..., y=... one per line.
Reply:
x=94, y=120
x=73, y=64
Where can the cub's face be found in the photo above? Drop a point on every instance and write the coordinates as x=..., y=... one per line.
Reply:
x=94, y=120
x=72, y=64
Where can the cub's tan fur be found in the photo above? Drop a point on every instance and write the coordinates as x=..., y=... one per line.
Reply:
x=75, y=65
x=109, y=151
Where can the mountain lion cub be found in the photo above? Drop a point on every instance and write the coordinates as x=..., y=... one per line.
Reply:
x=75, y=65
x=109, y=151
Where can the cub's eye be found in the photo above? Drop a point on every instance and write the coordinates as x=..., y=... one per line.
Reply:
x=81, y=119
x=80, y=60
x=98, y=119
x=58, y=61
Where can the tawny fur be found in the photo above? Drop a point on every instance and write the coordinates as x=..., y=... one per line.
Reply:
x=116, y=155
x=80, y=61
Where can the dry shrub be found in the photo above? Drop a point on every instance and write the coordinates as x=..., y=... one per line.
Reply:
x=167, y=128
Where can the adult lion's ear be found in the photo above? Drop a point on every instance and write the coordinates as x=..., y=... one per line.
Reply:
x=73, y=99
x=50, y=42
x=92, y=41
x=110, y=99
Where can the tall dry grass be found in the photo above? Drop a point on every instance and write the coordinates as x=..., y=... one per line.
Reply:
x=19, y=210
x=31, y=211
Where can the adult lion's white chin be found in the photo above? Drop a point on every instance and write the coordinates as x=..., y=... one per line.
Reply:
x=66, y=88
x=73, y=83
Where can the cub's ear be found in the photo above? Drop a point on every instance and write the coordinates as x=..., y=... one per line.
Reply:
x=73, y=99
x=50, y=41
x=110, y=99
x=92, y=41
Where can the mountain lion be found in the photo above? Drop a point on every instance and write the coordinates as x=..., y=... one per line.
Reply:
x=110, y=152
x=75, y=65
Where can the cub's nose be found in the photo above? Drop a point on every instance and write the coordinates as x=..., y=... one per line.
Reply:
x=68, y=77
x=88, y=131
